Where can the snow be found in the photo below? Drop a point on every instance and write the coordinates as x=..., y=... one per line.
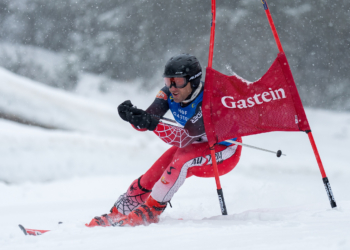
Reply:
x=300, y=10
x=25, y=99
x=77, y=172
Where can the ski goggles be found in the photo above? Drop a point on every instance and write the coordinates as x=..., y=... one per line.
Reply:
x=177, y=82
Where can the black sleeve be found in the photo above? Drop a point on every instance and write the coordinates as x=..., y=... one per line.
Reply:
x=195, y=125
x=160, y=104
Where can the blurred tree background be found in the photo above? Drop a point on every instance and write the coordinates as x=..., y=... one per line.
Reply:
x=56, y=41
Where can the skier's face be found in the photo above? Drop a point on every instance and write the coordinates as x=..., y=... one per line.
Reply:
x=180, y=94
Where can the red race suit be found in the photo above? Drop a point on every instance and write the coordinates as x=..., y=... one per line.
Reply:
x=190, y=154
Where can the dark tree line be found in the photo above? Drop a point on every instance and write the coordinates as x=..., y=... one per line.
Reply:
x=129, y=40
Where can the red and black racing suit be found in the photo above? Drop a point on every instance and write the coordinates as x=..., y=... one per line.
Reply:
x=190, y=154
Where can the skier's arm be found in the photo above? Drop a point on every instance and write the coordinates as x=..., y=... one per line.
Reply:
x=160, y=104
x=181, y=137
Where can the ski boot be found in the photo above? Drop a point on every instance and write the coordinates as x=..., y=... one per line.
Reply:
x=106, y=220
x=135, y=196
x=145, y=214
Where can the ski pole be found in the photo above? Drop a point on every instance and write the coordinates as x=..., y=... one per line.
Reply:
x=278, y=153
x=168, y=120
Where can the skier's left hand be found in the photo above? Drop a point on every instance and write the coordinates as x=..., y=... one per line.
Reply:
x=141, y=119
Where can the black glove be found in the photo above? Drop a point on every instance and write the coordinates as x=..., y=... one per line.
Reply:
x=141, y=119
x=137, y=117
x=123, y=109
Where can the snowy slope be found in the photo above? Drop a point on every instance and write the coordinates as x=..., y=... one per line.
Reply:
x=92, y=140
x=73, y=175
x=49, y=106
x=35, y=154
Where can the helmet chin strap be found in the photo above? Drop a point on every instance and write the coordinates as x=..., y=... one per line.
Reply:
x=195, y=94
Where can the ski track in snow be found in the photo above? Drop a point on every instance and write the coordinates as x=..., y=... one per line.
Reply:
x=49, y=176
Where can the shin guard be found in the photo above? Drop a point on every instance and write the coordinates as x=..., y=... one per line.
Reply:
x=134, y=197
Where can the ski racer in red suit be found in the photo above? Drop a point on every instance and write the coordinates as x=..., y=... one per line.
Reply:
x=147, y=196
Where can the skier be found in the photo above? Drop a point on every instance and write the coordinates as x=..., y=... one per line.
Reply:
x=147, y=196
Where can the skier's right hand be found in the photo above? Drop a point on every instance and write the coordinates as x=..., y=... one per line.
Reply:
x=123, y=109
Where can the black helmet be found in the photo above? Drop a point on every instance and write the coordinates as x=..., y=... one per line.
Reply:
x=184, y=65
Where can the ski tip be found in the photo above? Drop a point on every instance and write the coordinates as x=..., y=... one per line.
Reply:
x=23, y=229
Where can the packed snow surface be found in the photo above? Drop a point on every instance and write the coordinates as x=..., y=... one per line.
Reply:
x=77, y=172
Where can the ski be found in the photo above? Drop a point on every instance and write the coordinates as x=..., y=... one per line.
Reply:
x=33, y=232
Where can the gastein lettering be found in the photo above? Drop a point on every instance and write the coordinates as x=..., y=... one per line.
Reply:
x=257, y=99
